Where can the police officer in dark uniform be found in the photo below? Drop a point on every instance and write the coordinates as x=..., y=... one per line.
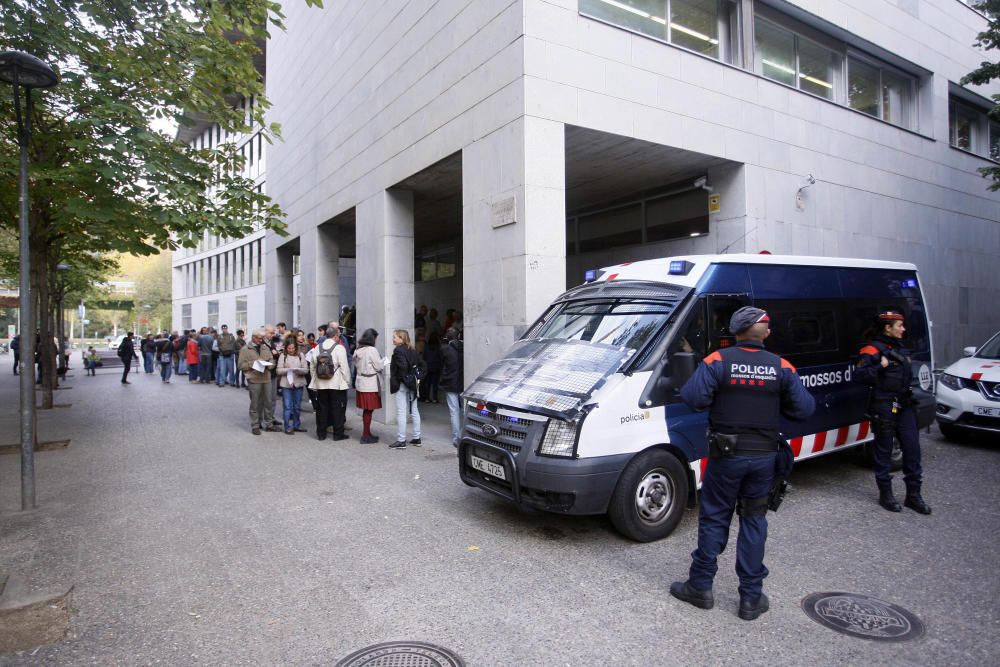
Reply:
x=746, y=389
x=884, y=365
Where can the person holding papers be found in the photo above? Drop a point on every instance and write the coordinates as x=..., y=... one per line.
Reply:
x=256, y=362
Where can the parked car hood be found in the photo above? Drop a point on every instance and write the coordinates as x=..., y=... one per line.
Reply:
x=967, y=367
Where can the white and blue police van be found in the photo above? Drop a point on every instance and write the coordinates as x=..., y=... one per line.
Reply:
x=583, y=414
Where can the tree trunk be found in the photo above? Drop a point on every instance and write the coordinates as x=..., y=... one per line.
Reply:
x=39, y=266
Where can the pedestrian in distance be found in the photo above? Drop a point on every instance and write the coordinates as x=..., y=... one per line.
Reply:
x=127, y=353
x=453, y=380
x=259, y=382
x=432, y=357
x=91, y=360
x=164, y=351
x=746, y=390
x=406, y=369
x=368, y=387
x=241, y=342
x=275, y=341
x=206, y=341
x=225, y=374
x=193, y=356
x=330, y=380
x=148, y=349
x=885, y=366
x=15, y=347
x=291, y=370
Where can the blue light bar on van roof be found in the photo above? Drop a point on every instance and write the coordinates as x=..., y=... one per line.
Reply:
x=910, y=283
x=680, y=267
x=590, y=275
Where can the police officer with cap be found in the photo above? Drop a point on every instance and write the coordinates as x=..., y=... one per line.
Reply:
x=746, y=390
x=884, y=365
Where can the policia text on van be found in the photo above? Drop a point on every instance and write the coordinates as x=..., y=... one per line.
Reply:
x=582, y=415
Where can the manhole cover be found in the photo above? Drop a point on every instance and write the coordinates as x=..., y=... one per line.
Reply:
x=402, y=654
x=862, y=616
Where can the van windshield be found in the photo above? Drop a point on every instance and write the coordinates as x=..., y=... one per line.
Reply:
x=622, y=325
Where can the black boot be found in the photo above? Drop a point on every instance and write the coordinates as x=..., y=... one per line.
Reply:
x=682, y=591
x=749, y=610
x=916, y=503
x=888, y=501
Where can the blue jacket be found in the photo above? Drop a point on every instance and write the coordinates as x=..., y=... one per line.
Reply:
x=709, y=381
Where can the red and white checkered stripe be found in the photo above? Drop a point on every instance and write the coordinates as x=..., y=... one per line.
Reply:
x=807, y=446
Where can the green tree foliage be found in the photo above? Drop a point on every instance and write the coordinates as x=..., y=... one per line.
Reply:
x=103, y=178
x=987, y=71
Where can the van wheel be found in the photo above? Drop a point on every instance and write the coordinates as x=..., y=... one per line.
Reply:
x=650, y=497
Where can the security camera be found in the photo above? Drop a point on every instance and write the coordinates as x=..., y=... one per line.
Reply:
x=702, y=182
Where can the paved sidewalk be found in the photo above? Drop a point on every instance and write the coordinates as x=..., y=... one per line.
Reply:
x=190, y=541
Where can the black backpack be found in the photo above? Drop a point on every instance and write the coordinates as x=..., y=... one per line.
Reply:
x=324, y=365
x=416, y=371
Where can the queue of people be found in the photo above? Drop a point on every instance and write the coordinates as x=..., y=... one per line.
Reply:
x=291, y=364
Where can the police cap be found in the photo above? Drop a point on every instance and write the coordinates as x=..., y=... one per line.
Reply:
x=889, y=316
x=746, y=317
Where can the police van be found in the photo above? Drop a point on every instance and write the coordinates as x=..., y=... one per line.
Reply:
x=583, y=414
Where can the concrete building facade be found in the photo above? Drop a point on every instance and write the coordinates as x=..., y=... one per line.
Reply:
x=481, y=154
x=221, y=281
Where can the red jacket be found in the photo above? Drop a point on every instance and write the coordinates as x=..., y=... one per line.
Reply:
x=192, y=352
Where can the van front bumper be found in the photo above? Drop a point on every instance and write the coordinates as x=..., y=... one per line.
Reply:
x=568, y=486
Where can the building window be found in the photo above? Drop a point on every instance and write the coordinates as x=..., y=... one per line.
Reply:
x=436, y=265
x=213, y=314
x=783, y=55
x=186, y=316
x=971, y=129
x=703, y=26
x=675, y=215
x=823, y=67
x=260, y=263
x=878, y=91
x=241, y=312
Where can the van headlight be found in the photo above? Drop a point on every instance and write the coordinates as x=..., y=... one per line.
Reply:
x=560, y=439
x=950, y=381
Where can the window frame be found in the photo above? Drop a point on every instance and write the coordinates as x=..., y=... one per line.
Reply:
x=882, y=66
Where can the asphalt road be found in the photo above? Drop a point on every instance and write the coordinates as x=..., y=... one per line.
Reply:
x=190, y=541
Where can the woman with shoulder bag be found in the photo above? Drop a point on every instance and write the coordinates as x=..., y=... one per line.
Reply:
x=368, y=386
x=291, y=371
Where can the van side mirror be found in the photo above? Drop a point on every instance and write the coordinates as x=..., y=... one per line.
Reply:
x=682, y=365
x=673, y=373
x=969, y=351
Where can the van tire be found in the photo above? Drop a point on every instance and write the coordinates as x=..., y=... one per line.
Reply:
x=651, y=496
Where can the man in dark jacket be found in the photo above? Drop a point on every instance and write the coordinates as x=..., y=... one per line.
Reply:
x=15, y=347
x=452, y=380
x=746, y=390
x=206, y=342
x=126, y=352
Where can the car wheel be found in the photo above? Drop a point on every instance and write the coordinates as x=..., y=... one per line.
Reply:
x=951, y=432
x=650, y=497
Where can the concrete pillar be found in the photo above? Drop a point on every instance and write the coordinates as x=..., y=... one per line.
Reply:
x=514, y=234
x=319, y=263
x=278, y=284
x=385, y=274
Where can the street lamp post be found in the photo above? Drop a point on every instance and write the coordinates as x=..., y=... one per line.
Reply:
x=26, y=71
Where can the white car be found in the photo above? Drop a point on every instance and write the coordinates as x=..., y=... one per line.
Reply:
x=968, y=393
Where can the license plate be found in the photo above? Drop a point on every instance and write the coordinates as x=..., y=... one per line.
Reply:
x=983, y=411
x=488, y=467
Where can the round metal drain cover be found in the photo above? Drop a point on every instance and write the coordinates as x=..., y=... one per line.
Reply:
x=402, y=654
x=863, y=616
